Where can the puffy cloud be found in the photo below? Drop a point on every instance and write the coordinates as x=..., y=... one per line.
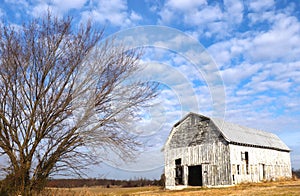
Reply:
x=258, y=5
x=17, y=2
x=41, y=8
x=68, y=4
x=135, y=16
x=203, y=16
x=114, y=12
x=210, y=19
x=234, y=11
x=197, y=13
x=185, y=5
x=59, y=8
x=282, y=41
x=235, y=75
x=261, y=17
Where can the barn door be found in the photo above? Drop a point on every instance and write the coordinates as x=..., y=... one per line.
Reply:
x=195, y=175
x=262, y=173
x=178, y=172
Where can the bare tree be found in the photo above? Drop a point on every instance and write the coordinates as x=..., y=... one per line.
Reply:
x=66, y=97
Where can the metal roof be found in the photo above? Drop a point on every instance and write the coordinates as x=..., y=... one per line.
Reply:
x=244, y=135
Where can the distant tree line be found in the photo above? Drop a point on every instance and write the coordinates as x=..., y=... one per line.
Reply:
x=296, y=173
x=71, y=183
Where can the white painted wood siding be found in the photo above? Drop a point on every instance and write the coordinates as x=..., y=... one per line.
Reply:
x=276, y=163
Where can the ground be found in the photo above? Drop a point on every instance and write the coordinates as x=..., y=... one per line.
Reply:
x=291, y=187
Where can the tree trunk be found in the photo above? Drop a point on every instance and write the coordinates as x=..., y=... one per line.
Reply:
x=20, y=183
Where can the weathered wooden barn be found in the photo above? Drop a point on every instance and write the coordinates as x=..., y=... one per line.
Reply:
x=203, y=151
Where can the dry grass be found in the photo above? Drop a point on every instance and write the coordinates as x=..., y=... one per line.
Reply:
x=291, y=187
x=100, y=191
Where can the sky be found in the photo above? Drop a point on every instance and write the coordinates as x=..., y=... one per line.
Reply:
x=239, y=60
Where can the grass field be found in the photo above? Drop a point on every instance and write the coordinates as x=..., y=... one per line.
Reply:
x=266, y=188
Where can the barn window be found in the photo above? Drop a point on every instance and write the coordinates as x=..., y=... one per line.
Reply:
x=245, y=157
x=233, y=169
x=178, y=172
x=247, y=162
x=178, y=162
x=238, y=169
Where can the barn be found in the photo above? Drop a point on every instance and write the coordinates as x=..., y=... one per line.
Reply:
x=203, y=151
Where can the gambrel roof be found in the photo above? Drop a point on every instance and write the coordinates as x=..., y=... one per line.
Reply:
x=240, y=135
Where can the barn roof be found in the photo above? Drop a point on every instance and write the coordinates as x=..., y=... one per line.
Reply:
x=237, y=134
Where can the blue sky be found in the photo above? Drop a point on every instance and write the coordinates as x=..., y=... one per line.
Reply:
x=255, y=45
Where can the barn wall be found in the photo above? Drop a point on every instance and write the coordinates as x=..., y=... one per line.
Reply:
x=196, y=141
x=263, y=164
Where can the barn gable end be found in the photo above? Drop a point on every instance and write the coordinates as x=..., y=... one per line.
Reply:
x=193, y=130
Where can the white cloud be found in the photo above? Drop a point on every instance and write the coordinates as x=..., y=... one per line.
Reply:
x=258, y=5
x=114, y=12
x=186, y=89
x=184, y=5
x=256, y=17
x=177, y=80
x=221, y=53
x=226, y=51
x=176, y=41
x=189, y=11
x=235, y=75
x=42, y=8
x=291, y=71
x=234, y=11
x=167, y=16
x=282, y=41
x=135, y=16
x=154, y=5
x=203, y=16
x=57, y=7
x=209, y=19
x=66, y=5
x=17, y=2
x=260, y=82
